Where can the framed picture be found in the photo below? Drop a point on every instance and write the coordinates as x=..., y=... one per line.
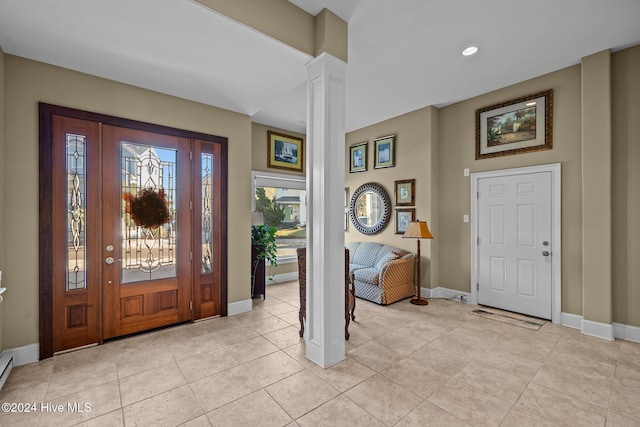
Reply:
x=385, y=152
x=403, y=218
x=517, y=126
x=346, y=197
x=358, y=157
x=405, y=192
x=346, y=220
x=285, y=152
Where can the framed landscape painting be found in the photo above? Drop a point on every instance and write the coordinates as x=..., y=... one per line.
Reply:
x=285, y=152
x=516, y=126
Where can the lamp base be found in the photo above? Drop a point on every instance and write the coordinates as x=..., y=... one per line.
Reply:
x=419, y=301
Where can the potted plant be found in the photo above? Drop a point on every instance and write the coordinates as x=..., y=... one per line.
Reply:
x=263, y=248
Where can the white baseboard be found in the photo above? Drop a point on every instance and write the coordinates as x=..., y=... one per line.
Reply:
x=571, y=321
x=25, y=354
x=597, y=329
x=282, y=278
x=445, y=293
x=626, y=332
x=239, y=307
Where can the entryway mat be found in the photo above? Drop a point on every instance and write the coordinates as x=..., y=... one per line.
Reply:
x=510, y=318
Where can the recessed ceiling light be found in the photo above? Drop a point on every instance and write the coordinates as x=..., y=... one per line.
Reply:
x=471, y=50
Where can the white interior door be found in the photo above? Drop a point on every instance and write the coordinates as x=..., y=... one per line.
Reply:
x=515, y=244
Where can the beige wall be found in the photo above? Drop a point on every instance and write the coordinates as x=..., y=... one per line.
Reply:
x=27, y=83
x=625, y=89
x=259, y=146
x=413, y=161
x=2, y=180
x=457, y=151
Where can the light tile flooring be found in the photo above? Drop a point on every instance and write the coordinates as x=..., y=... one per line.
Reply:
x=407, y=366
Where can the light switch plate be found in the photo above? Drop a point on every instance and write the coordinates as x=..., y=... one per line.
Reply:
x=465, y=218
x=466, y=171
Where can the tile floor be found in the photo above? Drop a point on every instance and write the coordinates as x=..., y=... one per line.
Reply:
x=406, y=366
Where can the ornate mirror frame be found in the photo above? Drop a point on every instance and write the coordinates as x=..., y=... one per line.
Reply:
x=385, y=216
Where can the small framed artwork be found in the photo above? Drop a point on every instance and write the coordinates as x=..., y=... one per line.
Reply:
x=403, y=218
x=405, y=192
x=346, y=197
x=346, y=220
x=516, y=126
x=285, y=152
x=358, y=157
x=385, y=152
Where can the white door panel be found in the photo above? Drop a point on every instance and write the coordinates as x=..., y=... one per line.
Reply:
x=514, y=229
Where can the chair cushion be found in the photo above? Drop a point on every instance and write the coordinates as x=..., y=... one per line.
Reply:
x=367, y=275
x=386, y=258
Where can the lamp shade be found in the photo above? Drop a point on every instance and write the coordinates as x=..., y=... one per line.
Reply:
x=418, y=230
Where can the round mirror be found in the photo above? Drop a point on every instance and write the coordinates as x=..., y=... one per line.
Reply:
x=370, y=208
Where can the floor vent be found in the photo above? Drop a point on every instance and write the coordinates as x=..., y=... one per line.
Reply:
x=6, y=365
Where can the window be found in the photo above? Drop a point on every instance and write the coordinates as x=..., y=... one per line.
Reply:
x=281, y=201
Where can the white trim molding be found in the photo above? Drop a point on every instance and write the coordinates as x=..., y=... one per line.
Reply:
x=282, y=278
x=446, y=293
x=556, y=220
x=626, y=332
x=597, y=329
x=239, y=307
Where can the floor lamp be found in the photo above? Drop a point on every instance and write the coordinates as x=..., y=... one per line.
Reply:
x=418, y=230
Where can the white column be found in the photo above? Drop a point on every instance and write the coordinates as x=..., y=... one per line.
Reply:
x=324, y=331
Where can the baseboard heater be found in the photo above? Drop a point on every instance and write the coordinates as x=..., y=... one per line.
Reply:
x=6, y=365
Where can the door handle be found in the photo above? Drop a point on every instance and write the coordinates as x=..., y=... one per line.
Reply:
x=546, y=253
x=109, y=260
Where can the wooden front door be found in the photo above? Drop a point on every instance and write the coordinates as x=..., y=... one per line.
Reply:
x=136, y=235
x=146, y=257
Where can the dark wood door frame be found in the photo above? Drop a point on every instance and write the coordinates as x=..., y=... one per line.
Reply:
x=45, y=201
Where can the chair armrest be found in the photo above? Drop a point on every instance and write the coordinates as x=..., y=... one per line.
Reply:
x=397, y=272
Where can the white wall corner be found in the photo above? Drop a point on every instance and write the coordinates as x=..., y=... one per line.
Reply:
x=239, y=307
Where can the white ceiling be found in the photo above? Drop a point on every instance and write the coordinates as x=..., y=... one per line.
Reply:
x=403, y=54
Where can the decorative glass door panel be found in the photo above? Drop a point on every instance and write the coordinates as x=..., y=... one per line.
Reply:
x=148, y=216
x=146, y=230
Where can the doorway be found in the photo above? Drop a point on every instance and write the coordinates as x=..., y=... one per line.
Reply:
x=132, y=227
x=515, y=235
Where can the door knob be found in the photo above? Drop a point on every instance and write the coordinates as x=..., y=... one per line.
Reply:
x=546, y=253
x=109, y=260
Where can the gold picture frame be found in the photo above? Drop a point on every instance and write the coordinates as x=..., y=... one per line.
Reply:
x=520, y=125
x=285, y=152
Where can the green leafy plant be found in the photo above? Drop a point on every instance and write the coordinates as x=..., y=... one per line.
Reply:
x=263, y=238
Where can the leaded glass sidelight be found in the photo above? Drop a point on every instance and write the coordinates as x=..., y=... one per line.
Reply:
x=76, y=207
x=148, y=179
x=207, y=200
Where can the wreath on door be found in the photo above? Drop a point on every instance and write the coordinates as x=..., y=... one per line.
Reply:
x=149, y=208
